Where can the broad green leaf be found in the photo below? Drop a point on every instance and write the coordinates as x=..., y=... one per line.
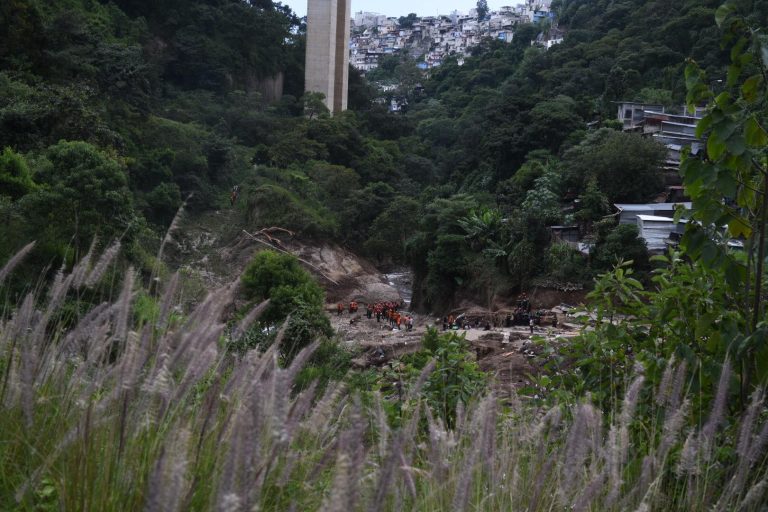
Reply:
x=738, y=48
x=750, y=90
x=692, y=73
x=709, y=252
x=693, y=241
x=703, y=324
x=713, y=342
x=755, y=134
x=715, y=147
x=726, y=185
x=722, y=13
x=732, y=76
x=736, y=144
x=761, y=365
x=703, y=125
x=745, y=59
x=746, y=197
x=723, y=99
x=724, y=129
x=679, y=212
x=737, y=227
x=734, y=275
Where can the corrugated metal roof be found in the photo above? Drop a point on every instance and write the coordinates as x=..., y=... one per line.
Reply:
x=655, y=230
x=651, y=206
x=655, y=218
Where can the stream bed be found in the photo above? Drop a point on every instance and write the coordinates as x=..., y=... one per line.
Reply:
x=402, y=280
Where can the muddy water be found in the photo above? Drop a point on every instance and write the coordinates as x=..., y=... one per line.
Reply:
x=402, y=280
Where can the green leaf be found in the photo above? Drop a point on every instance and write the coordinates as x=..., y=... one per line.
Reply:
x=738, y=227
x=738, y=48
x=734, y=276
x=726, y=184
x=761, y=364
x=709, y=252
x=724, y=129
x=703, y=125
x=703, y=324
x=745, y=59
x=722, y=13
x=692, y=74
x=755, y=134
x=733, y=74
x=736, y=144
x=715, y=147
x=723, y=100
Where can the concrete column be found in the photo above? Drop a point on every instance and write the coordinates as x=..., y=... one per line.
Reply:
x=327, y=58
x=341, y=73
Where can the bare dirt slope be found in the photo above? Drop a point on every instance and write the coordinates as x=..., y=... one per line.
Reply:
x=217, y=246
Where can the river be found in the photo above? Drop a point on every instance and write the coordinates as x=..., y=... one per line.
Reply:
x=402, y=280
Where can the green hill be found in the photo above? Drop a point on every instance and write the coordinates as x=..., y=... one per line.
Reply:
x=168, y=100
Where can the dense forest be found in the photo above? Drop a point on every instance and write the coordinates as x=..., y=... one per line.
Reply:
x=113, y=113
x=119, y=393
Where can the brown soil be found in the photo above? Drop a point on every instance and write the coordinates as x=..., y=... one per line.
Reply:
x=215, y=247
x=549, y=298
x=504, y=353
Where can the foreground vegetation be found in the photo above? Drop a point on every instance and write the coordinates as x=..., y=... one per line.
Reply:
x=124, y=411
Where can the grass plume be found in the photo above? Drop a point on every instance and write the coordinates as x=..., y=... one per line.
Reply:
x=108, y=414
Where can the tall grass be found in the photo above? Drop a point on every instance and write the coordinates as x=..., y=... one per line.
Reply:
x=114, y=415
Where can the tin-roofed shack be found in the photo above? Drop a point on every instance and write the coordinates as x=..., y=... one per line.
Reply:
x=628, y=212
x=656, y=231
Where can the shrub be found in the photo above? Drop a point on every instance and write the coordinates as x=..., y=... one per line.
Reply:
x=15, y=177
x=169, y=422
x=292, y=292
x=623, y=242
x=84, y=192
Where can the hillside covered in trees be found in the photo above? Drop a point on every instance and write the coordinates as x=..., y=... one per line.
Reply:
x=114, y=112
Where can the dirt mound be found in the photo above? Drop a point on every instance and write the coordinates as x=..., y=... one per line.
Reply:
x=503, y=355
x=378, y=354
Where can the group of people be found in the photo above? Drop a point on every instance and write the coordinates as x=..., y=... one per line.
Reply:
x=389, y=311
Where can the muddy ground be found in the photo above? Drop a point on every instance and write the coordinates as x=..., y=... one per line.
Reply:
x=506, y=353
x=215, y=247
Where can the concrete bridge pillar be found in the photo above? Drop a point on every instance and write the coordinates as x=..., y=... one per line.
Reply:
x=327, y=58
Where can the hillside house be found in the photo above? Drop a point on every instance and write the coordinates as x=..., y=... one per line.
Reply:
x=632, y=113
x=657, y=231
x=628, y=213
